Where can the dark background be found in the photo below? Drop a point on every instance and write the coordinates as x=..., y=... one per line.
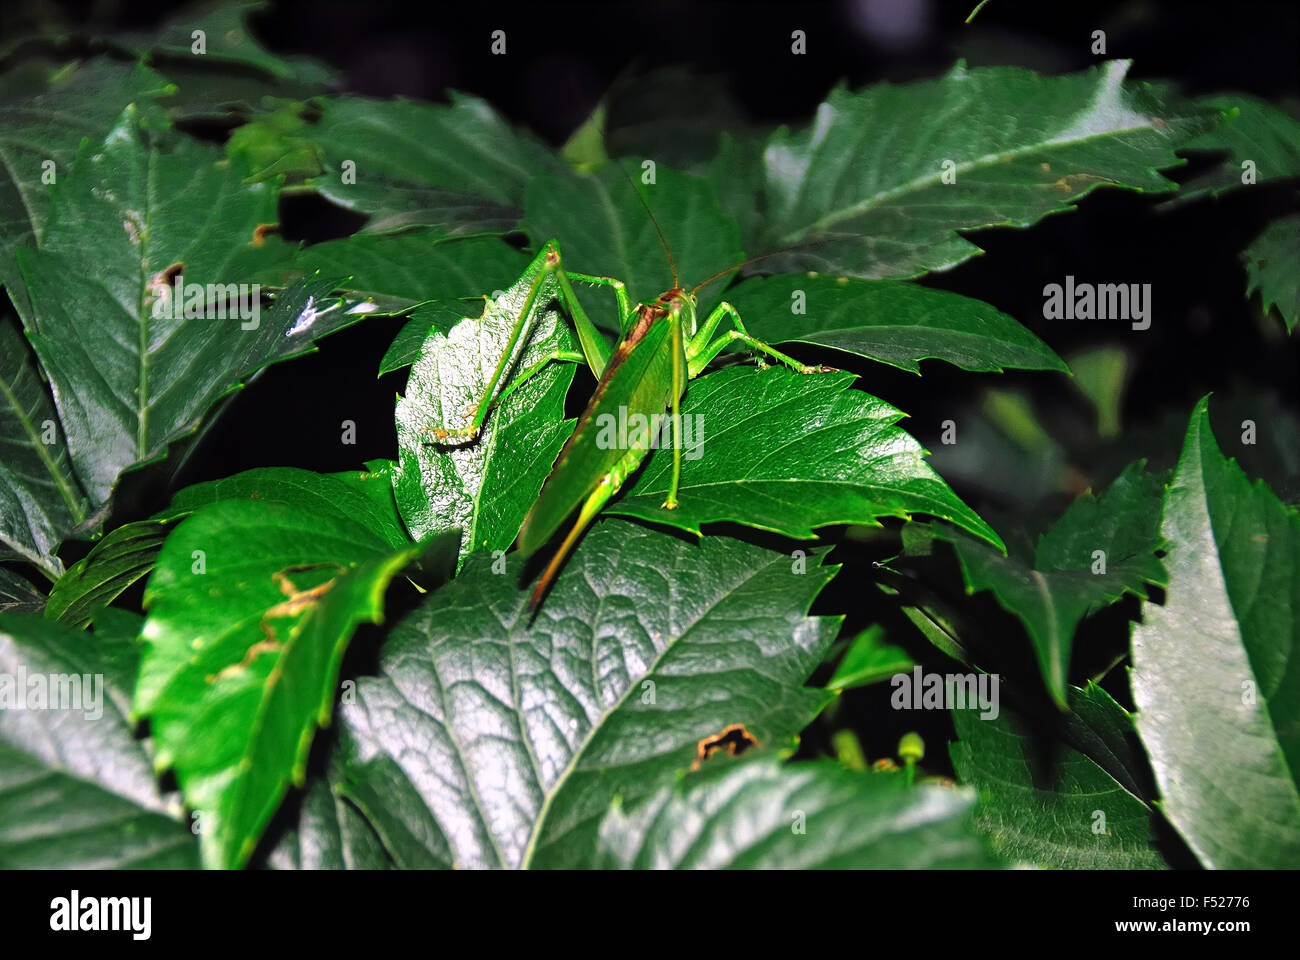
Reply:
x=1206, y=335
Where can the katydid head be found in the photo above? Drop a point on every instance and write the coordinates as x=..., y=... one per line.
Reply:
x=682, y=303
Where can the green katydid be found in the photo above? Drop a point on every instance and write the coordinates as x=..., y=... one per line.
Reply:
x=661, y=348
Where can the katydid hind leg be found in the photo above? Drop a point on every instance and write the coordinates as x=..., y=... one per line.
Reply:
x=522, y=329
x=701, y=352
x=606, y=489
x=678, y=388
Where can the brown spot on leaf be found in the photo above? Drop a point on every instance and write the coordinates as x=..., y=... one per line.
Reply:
x=735, y=739
x=262, y=229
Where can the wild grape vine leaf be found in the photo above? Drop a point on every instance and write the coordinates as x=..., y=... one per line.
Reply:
x=250, y=609
x=489, y=742
x=760, y=814
x=1067, y=798
x=460, y=168
x=1101, y=548
x=484, y=485
x=896, y=323
x=133, y=208
x=787, y=452
x=1271, y=262
x=76, y=788
x=883, y=179
x=1216, y=669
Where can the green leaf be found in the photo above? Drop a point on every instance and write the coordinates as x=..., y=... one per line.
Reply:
x=603, y=229
x=233, y=691
x=97, y=579
x=646, y=645
x=84, y=101
x=759, y=814
x=896, y=323
x=41, y=501
x=76, y=788
x=460, y=168
x=1040, y=800
x=1068, y=580
x=865, y=184
x=483, y=486
x=868, y=659
x=1215, y=674
x=1271, y=262
x=17, y=595
x=1249, y=129
x=417, y=265
x=784, y=452
x=132, y=207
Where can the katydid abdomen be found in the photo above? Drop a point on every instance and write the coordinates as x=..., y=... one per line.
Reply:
x=645, y=375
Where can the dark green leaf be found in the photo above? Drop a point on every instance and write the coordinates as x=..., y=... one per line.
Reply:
x=525, y=734
x=76, y=788
x=1251, y=130
x=40, y=499
x=868, y=659
x=330, y=835
x=416, y=265
x=865, y=184
x=460, y=168
x=895, y=323
x=83, y=101
x=17, y=595
x=604, y=230
x=1070, y=805
x=113, y=564
x=759, y=814
x=1101, y=548
x=1271, y=261
x=133, y=381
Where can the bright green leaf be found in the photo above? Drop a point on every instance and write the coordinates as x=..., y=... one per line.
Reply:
x=486, y=485
x=250, y=609
x=784, y=452
x=1216, y=669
